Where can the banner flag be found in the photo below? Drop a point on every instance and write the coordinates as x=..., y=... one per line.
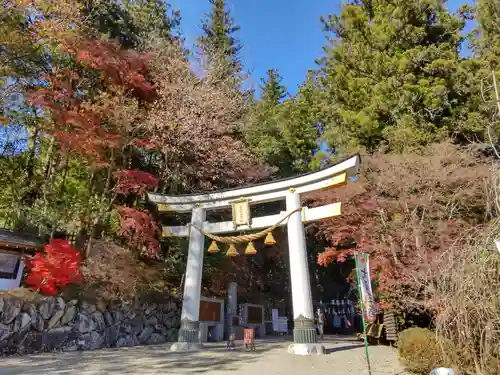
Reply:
x=369, y=307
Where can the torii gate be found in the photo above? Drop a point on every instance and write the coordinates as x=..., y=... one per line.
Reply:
x=304, y=334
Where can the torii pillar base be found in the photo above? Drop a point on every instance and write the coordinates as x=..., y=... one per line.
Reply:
x=185, y=347
x=306, y=349
x=305, y=338
x=189, y=337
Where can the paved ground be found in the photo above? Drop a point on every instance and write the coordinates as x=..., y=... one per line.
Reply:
x=346, y=356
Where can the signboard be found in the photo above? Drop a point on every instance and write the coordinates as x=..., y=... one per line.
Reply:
x=255, y=315
x=369, y=308
x=275, y=320
x=283, y=324
x=209, y=311
x=248, y=336
x=9, y=263
x=241, y=213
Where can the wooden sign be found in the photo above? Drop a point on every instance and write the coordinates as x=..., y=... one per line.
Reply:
x=248, y=336
x=209, y=311
x=241, y=213
x=255, y=315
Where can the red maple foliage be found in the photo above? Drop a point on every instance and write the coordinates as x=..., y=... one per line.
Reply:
x=126, y=68
x=140, y=229
x=83, y=122
x=405, y=210
x=58, y=266
x=133, y=181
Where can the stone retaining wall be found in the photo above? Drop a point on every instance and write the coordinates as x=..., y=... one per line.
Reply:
x=56, y=325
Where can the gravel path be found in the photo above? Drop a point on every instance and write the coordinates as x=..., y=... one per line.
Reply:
x=346, y=356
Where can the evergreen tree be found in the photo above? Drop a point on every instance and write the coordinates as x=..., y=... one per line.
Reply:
x=272, y=91
x=282, y=131
x=389, y=77
x=132, y=22
x=486, y=46
x=218, y=42
x=486, y=41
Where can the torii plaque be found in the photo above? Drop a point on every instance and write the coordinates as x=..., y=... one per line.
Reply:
x=305, y=341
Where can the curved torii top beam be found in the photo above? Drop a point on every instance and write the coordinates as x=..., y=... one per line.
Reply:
x=260, y=193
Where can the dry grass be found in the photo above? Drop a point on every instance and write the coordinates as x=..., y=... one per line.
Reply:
x=421, y=351
x=465, y=295
x=114, y=273
x=22, y=293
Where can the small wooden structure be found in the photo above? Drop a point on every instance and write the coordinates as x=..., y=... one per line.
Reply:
x=391, y=329
x=13, y=248
x=253, y=317
x=211, y=319
x=384, y=328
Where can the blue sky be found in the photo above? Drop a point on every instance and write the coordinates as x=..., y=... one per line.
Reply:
x=281, y=34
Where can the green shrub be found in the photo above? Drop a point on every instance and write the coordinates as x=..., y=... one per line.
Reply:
x=420, y=351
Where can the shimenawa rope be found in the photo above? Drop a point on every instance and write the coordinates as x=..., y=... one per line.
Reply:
x=245, y=237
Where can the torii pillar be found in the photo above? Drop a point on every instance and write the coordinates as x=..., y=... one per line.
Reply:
x=304, y=334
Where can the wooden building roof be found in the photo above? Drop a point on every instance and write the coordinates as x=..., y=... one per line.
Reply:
x=16, y=241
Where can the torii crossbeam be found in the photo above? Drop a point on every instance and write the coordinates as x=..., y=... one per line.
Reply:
x=305, y=341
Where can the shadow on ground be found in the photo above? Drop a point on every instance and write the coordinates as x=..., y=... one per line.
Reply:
x=214, y=358
x=136, y=360
x=342, y=348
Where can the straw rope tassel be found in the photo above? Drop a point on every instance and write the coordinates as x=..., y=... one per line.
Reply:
x=250, y=250
x=213, y=248
x=232, y=252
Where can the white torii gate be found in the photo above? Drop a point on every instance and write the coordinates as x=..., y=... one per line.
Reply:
x=305, y=341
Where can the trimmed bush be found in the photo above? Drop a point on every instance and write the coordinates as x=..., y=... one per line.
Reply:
x=420, y=351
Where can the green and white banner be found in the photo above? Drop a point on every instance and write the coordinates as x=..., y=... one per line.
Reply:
x=365, y=287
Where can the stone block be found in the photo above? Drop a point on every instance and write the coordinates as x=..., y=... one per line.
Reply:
x=21, y=321
x=11, y=309
x=69, y=314
x=152, y=321
x=145, y=334
x=98, y=318
x=46, y=308
x=55, y=319
x=155, y=339
x=111, y=335
x=91, y=341
x=108, y=318
x=126, y=341
x=37, y=322
x=84, y=324
x=6, y=331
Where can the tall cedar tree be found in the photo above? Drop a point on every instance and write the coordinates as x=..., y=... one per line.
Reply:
x=272, y=90
x=133, y=22
x=486, y=41
x=282, y=131
x=392, y=75
x=218, y=43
